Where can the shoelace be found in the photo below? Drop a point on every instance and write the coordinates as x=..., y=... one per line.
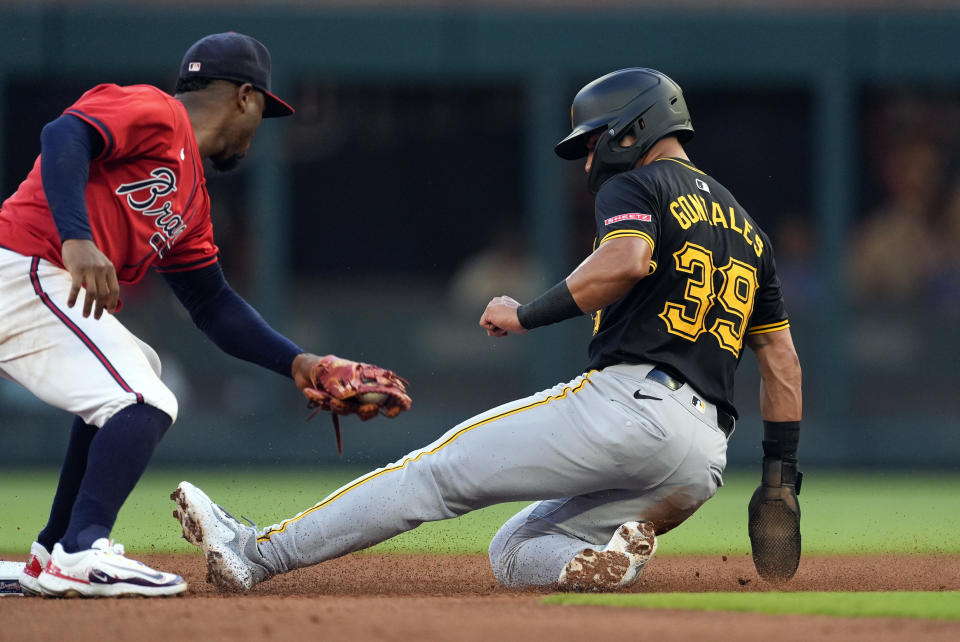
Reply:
x=115, y=547
x=244, y=517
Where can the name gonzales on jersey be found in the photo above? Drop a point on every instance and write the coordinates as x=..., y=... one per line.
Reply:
x=715, y=285
x=694, y=208
x=146, y=196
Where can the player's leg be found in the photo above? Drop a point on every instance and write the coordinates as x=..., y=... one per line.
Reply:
x=570, y=440
x=71, y=475
x=511, y=452
x=537, y=544
x=94, y=369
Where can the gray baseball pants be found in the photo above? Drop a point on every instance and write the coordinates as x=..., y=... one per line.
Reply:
x=609, y=447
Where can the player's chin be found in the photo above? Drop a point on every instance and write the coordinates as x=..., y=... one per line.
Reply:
x=225, y=163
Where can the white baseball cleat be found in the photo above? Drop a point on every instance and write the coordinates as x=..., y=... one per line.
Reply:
x=30, y=576
x=616, y=565
x=103, y=571
x=234, y=562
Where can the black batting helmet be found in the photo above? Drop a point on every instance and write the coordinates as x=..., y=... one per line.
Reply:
x=642, y=102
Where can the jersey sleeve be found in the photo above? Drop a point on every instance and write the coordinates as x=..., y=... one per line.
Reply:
x=769, y=312
x=133, y=121
x=626, y=206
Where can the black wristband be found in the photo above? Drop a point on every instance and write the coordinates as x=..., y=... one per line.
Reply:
x=780, y=439
x=556, y=304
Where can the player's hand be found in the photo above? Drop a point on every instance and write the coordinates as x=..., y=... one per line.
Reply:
x=301, y=368
x=91, y=269
x=500, y=317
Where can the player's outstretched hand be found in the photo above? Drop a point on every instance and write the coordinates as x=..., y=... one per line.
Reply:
x=302, y=369
x=91, y=269
x=349, y=387
x=500, y=317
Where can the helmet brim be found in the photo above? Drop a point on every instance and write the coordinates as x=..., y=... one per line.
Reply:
x=574, y=146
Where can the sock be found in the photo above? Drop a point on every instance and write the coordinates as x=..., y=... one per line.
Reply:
x=119, y=453
x=71, y=474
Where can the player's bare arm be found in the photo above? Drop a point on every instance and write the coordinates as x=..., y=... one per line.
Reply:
x=609, y=273
x=780, y=386
x=90, y=268
x=603, y=277
x=774, y=510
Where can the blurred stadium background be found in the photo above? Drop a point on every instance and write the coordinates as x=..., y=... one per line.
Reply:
x=417, y=180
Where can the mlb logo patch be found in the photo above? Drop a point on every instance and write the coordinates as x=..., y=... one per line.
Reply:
x=193, y=66
x=699, y=405
x=632, y=216
x=703, y=186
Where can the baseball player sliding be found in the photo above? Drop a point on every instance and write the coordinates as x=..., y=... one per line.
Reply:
x=681, y=277
x=119, y=188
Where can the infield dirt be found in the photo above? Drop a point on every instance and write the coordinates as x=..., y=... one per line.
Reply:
x=423, y=598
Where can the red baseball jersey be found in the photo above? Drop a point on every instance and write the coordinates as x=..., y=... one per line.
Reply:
x=146, y=197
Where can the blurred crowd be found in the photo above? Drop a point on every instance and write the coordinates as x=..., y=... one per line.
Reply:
x=904, y=247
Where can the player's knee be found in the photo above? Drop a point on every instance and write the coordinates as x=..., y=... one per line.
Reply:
x=710, y=481
x=502, y=552
x=169, y=405
x=152, y=357
x=164, y=399
x=158, y=396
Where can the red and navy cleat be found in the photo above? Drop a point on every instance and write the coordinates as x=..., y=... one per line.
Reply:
x=103, y=571
x=30, y=576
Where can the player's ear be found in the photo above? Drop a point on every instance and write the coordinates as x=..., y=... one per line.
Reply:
x=245, y=98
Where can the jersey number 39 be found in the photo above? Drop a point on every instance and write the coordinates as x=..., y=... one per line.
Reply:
x=736, y=295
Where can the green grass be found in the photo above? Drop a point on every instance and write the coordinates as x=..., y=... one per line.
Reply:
x=902, y=604
x=266, y=496
x=842, y=513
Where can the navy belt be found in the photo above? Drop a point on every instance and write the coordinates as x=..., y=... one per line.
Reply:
x=725, y=421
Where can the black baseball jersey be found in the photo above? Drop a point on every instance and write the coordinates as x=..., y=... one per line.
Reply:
x=712, y=277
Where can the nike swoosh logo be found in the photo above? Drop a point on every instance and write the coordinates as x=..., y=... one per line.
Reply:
x=640, y=395
x=151, y=576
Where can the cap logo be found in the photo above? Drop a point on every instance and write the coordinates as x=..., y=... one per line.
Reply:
x=193, y=66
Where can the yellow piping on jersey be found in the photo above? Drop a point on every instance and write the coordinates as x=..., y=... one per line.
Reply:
x=679, y=162
x=283, y=526
x=616, y=234
x=621, y=233
x=769, y=327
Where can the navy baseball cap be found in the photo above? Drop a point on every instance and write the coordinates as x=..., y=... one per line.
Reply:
x=234, y=56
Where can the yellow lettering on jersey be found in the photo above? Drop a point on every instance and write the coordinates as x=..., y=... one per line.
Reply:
x=596, y=321
x=694, y=208
x=687, y=210
x=733, y=222
x=718, y=217
x=700, y=206
x=682, y=219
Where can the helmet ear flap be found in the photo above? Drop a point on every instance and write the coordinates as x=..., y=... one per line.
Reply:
x=612, y=157
x=636, y=128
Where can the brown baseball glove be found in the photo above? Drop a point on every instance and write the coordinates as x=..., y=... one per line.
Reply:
x=347, y=387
